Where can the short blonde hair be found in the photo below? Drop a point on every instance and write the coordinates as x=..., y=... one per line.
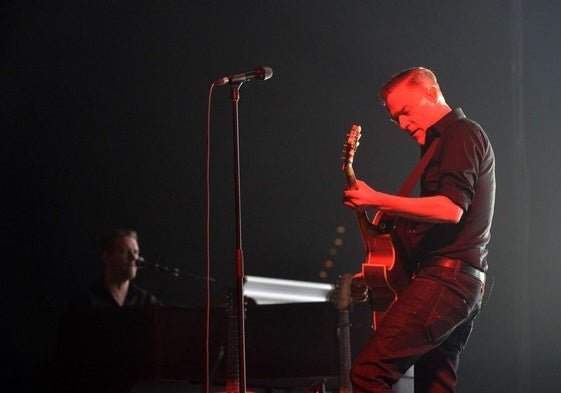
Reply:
x=415, y=76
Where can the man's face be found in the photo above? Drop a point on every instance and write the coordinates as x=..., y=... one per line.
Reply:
x=120, y=259
x=411, y=107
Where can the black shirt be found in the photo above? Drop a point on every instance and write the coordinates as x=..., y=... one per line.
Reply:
x=462, y=169
x=136, y=296
x=100, y=298
x=100, y=343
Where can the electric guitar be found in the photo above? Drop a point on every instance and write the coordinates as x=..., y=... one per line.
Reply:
x=232, y=358
x=342, y=300
x=384, y=276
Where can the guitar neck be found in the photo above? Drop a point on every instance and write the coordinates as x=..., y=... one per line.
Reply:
x=362, y=216
x=351, y=178
x=233, y=374
x=232, y=361
x=344, y=352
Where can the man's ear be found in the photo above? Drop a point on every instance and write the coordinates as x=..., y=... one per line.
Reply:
x=432, y=94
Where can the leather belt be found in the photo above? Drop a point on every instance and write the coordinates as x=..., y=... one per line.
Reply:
x=455, y=264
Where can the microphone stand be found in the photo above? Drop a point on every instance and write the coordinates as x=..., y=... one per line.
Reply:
x=240, y=303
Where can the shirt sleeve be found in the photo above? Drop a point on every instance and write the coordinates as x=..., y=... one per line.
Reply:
x=460, y=162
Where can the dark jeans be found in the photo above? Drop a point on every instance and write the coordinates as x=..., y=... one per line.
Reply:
x=428, y=326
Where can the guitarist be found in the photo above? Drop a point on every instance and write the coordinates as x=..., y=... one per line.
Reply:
x=445, y=231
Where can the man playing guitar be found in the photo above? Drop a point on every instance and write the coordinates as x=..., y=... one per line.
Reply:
x=444, y=232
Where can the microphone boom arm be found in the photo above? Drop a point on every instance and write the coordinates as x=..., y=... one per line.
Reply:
x=143, y=263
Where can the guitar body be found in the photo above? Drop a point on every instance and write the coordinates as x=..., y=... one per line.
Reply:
x=384, y=275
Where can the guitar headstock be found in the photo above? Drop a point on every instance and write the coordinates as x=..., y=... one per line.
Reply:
x=350, y=146
x=341, y=295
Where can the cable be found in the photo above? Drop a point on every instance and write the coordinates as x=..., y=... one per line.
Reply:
x=207, y=244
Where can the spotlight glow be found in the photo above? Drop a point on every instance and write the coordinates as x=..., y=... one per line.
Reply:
x=266, y=290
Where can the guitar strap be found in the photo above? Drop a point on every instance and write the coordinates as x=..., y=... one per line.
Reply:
x=410, y=182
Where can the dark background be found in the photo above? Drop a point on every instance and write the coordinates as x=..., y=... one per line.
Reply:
x=104, y=115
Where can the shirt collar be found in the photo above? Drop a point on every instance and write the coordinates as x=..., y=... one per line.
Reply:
x=438, y=128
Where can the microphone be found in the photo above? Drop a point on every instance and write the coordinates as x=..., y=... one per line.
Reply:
x=260, y=73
